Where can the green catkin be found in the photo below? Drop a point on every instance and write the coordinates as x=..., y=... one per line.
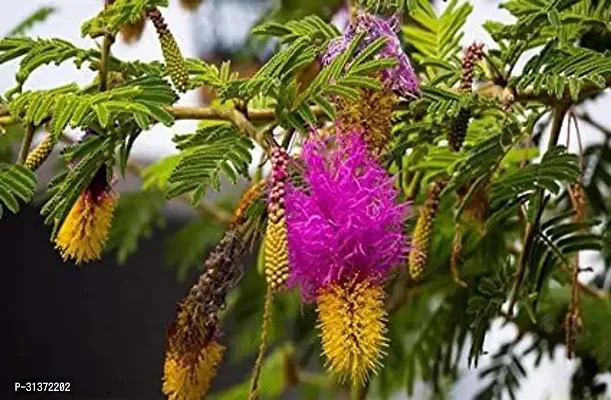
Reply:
x=458, y=130
x=421, y=238
x=175, y=63
x=40, y=153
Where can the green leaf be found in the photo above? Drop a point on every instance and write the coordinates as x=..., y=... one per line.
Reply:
x=16, y=183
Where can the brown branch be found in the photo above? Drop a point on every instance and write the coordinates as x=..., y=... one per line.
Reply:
x=256, y=115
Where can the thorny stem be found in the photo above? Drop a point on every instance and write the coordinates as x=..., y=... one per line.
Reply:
x=27, y=142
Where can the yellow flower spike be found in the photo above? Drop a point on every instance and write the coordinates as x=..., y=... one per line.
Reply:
x=352, y=320
x=84, y=232
x=372, y=114
x=190, y=381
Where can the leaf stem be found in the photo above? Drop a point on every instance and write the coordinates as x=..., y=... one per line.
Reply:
x=27, y=142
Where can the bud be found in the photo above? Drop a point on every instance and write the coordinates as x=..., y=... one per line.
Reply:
x=276, y=242
x=40, y=153
x=175, y=63
x=421, y=238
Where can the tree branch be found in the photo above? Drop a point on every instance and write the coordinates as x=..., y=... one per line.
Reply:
x=256, y=115
x=531, y=227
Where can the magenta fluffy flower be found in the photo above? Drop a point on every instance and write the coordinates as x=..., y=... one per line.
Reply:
x=346, y=220
x=401, y=77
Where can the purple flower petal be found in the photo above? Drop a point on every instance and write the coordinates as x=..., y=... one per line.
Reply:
x=401, y=77
x=346, y=221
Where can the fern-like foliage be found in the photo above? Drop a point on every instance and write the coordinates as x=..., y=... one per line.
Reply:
x=557, y=240
x=39, y=52
x=436, y=39
x=17, y=183
x=141, y=99
x=311, y=27
x=559, y=69
x=505, y=373
x=117, y=14
x=211, y=152
x=37, y=17
x=556, y=167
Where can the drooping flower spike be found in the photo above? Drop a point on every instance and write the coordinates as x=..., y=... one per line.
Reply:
x=345, y=231
x=83, y=233
x=193, y=351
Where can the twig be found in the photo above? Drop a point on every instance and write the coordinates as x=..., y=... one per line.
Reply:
x=262, y=136
x=105, y=56
x=254, y=115
x=27, y=142
x=532, y=227
x=267, y=315
x=585, y=117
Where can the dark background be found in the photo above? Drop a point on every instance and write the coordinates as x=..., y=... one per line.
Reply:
x=100, y=326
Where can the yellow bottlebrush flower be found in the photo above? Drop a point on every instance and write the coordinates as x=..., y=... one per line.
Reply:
x=352, y=320
x=186, y=381
x=372, y=114
x=83, y=234
x=192, y=353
